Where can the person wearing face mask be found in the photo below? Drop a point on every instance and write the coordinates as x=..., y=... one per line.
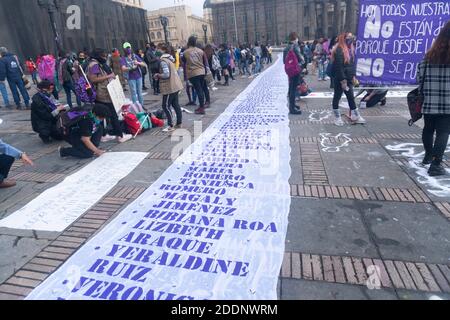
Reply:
x=99, y=75
x=293, y=81
x=131, y=67
x=44, y=112
x=344, y=72
x=85, y=136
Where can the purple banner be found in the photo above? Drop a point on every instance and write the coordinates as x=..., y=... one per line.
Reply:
x=393, y=37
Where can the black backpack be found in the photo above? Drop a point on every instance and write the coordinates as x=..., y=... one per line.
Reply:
x=68, y=119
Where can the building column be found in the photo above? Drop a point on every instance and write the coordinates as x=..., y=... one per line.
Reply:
x=337, y=16
x=312, y=19
x=325, y=18
x=350, y=25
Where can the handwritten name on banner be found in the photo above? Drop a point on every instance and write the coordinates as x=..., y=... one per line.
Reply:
x=213, y=226
x=393, y=38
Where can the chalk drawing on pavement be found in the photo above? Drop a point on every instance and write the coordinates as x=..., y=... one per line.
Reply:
x=334, y=143
x=438, y=186
x=318, y=116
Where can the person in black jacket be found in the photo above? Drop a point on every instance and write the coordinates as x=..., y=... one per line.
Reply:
x=294, y=81
x=44, y=112
x=344, y=72
x=153, y=65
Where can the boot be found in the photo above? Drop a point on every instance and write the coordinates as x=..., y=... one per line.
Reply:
x=200, y=110
x=436, y=169
x=356, y=117
x=428, y=159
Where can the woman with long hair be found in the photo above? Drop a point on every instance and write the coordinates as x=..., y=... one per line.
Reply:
x=434, y=73
x=344, y=71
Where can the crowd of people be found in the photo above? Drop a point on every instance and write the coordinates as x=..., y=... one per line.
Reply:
x=334, y=60
x=85, y=76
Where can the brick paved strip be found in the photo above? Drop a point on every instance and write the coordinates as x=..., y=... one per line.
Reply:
x=13, y=289
x=444, y=208
x=22, y=282
x=358, y=193
x=355, y=270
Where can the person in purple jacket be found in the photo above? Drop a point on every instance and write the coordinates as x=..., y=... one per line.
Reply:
x=131, y=64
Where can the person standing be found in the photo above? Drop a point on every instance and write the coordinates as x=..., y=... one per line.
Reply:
x=294, y=81
x=117, y=68
x=434, y=73
x=32, y=69
x=143, y=68
x=4, y=93
x=224, y=58
x=8, y=154
x=344, y=72
x=196, y=64
x=11, y=70
x=100, y=74
x=153, y=61
x=170, y=85
x=131, y=64
x=67, y=72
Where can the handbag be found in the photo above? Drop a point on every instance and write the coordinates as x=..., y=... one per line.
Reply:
x=415, y=101
x=303, y=89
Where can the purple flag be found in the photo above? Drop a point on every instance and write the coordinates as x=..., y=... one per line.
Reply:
x=393, y=37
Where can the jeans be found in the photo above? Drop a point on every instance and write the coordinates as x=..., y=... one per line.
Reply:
x=172, y=101
x=322, y=70
x=5, y=165
x=34, y=75
x=439, y=124
x=79, y=149
x=258, y=65
x=293, y=84
x=69, y=88
x=15, y=84
x=199, y=83
x=136, y=90
x=4, y=93
x=338, y=95
x=245, y=68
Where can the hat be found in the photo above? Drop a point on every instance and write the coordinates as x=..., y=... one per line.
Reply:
x=3, y=50
x=126, y=45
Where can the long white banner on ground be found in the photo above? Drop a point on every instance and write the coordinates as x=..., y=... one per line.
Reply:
x=57, y=208
x=213, y=226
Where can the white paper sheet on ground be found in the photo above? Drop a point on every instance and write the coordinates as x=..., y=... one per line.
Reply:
x=213, y=226
x=58, y=207
x=329, y=95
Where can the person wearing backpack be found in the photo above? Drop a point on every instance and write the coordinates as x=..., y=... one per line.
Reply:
x=434, y=73
x=85, y=136
x=99, y=75
x=293, y=59
x=11, y=71
x=67, y=70
x=44, y=113
x=171, y=85
x=47, y=71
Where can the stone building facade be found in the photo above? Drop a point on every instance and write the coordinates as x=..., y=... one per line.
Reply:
x=182, y=24
x=271, y=21
x=133, y=3
x=26, y=29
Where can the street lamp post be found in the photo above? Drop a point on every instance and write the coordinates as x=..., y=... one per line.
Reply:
x=205, y=30
x=164, y=23
x=51, y=8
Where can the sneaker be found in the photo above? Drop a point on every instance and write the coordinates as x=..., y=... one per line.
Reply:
x=214, y=88
x=357, y=118
x=200, y=111
x=7, y=184
x=61, y=153
x=437, y=170
x=295, y=111
x=125, y=138
x=179, y=126
x=338, y=122
x=427, y=160
x=168, y=129
x=383, y=102
x=108, y=138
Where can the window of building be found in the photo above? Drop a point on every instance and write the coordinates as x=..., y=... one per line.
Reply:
x=257, y=36
x=306, y=33
x=159, y=35
x=152, y=35
x=269, y=36
x=244, y=18
x=232, y=20
x=256, y=17
x=221, y=21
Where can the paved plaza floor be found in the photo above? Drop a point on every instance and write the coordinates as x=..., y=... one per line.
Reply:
x=359, y=199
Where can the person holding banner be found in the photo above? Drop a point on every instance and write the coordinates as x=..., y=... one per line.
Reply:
x=434, y=73
x=344, y=72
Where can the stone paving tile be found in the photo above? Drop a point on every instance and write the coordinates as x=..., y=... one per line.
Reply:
x=355, y=271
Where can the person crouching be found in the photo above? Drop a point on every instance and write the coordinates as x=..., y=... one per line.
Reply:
x=44, y=113
x=86, y=135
